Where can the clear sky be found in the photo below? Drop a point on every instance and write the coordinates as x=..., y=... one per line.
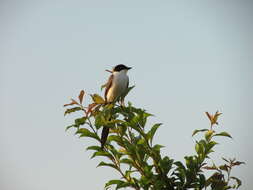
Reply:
x=188, y=57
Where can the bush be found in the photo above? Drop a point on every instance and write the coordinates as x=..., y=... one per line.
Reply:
x=131, y=151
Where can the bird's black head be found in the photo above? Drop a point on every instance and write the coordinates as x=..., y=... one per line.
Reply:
x=121, y=67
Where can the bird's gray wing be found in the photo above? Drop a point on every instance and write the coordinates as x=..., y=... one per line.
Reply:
x=122, y=98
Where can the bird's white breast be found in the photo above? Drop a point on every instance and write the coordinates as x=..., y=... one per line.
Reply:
x=119, y=85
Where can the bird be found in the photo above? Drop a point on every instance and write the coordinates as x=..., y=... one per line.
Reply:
x=115, y=89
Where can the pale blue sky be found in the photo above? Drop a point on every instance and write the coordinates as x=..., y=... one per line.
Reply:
x=188, y=57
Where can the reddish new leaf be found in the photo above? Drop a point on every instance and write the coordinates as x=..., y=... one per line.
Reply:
x=210, y=167
x=81, y=96
x=210, y=117
x=73, y=102
x=90, y=107
x=237, y=163
x=215, y=118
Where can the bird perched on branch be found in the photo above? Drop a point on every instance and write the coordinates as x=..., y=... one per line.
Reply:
x=115, y=90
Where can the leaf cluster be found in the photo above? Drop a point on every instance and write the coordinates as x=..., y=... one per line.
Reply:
x=130, y=149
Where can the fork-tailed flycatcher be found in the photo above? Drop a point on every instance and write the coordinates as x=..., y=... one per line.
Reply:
x=116, y=87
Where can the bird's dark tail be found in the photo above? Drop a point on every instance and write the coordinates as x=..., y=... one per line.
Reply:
x=104, y=136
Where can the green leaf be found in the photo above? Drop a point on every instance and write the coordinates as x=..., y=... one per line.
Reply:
x=71, y=110
x=135, y=125
x=97, y=99
x=238, y=181
x=117, y=154
x=102, y=153
x=80, y=121
x=119, y=184
x=190, y=162
x=113, y=182
x=148, y=171
x=122, y=130
x=86, y=133
x=225, y=160
x=158, y=147
x=123, y=185
x=145, y=182
x=107, y=164
x=209, y=146
x=202, y=180
x=203, y=142
x=99, y=121
x=96, y=148
x=166, y=164
x=70, y=126
x=152, y=131
x=180, y=172
x=115, y=138
x=159, y=184
x=179, y=165
x=197, y=131
x=224, y=167
x=141, y=141
x=128, y=174
x=200, y=147
x=142, y=116
x=140, y=152
x=129, y=148
x=208, y=135
x=126, y=161
x=224, y=134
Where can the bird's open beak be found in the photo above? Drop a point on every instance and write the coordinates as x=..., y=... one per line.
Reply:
x=128, y=68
